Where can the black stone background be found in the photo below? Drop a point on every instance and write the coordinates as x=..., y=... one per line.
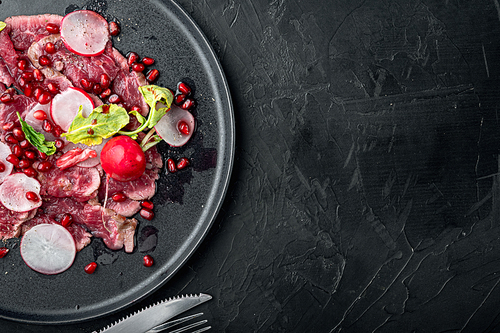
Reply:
x=364, y=195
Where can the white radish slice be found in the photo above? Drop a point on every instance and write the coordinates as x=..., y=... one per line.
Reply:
x=91, y=162
x=65, y=106
x=167, y=127
x=13, y=192
x=48, y=249
x=4, y=152
x=85, y=32
x=37, y=124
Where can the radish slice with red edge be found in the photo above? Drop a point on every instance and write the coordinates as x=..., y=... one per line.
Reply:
x=168, y=129
x=4, y=152
x=85, y=32
x=91, y=162
x=48, y=249
x=13, y=192
x=65, y=106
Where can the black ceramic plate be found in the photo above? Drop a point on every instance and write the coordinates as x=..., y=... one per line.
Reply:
x=186, y=203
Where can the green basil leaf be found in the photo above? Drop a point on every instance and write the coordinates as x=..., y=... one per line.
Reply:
x=37, y=139
x=103, y=122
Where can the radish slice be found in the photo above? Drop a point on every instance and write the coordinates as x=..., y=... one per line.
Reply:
x=4, y=152
x=65, y=106
x=91, y=162
x=167, y=127
x=13, y=192
x=85, y=32
x=37, y=124
x=48, y=248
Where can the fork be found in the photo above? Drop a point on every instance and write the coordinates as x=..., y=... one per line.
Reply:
x=176, y=322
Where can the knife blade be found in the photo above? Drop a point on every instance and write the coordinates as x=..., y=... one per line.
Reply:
x=156, y=314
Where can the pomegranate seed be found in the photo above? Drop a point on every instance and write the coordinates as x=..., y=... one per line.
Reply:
x=183, y=163
x=171, y=165
x=2, y=167
x=148, y=204
x=148, y=260
x=114, y=99
x=30, y=154
x=16, y=150
x=28, y=76
x=105, y=109
x=40, y=115
x=114, y=28
x=52, y=28
x=132, y=57
x=188, y=104
x=6, y=98
x=57, y=131
x=119, y=197
x=11, y=91
x=97, y=89
x=146, y=214
x=90, y=268
x=138, y=67
x=44, y=166
x=66, y=220
x=135, y=108
x=32, y=196
x=30, y=172
x=22, y=64
x=152, y=75
x=13, y=159
x=38, y=75
x=183, y=127
x=44, y=60
x=24, y=144
x=50, y=48
x=184, y=88
x=59, y=144
x=9, y=138
x=18, y=133
x=42, y=155
x=86, y=84
x=44, y=98
x=22, y=82
x=105, y=93
x=147, y=61
x=104, y=80
x=28, y=90
x=8, y=126
x=24, y=163
x=3, y=251
x=53, y=88
x=47, y=126
x=37, y=92
x=90, y=131
x=179, y=99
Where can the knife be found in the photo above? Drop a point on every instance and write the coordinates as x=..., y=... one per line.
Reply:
x=154, y=315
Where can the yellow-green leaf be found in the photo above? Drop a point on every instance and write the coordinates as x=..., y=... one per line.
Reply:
x=2, y=25
x=103, y=122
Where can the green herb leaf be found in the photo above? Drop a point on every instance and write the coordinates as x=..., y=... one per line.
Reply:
x=159, y=100
x=2, y=25
x=37, y=139
x=103, y=122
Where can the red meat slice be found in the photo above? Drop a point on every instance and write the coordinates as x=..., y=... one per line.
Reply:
x=8, y=59
x=21, y=104
x=10, y=222
x=25, y=30
x=79, y=183
x=115, y=230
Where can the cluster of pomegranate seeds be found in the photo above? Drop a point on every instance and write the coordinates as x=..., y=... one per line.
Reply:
x=90, y=268
x=183, y=98
x=3, y=251
x=139, y=65
x=148, y=260
x=182, y=163
x=146, y=211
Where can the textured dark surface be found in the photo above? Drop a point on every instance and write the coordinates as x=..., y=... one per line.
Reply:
x=364, y=196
